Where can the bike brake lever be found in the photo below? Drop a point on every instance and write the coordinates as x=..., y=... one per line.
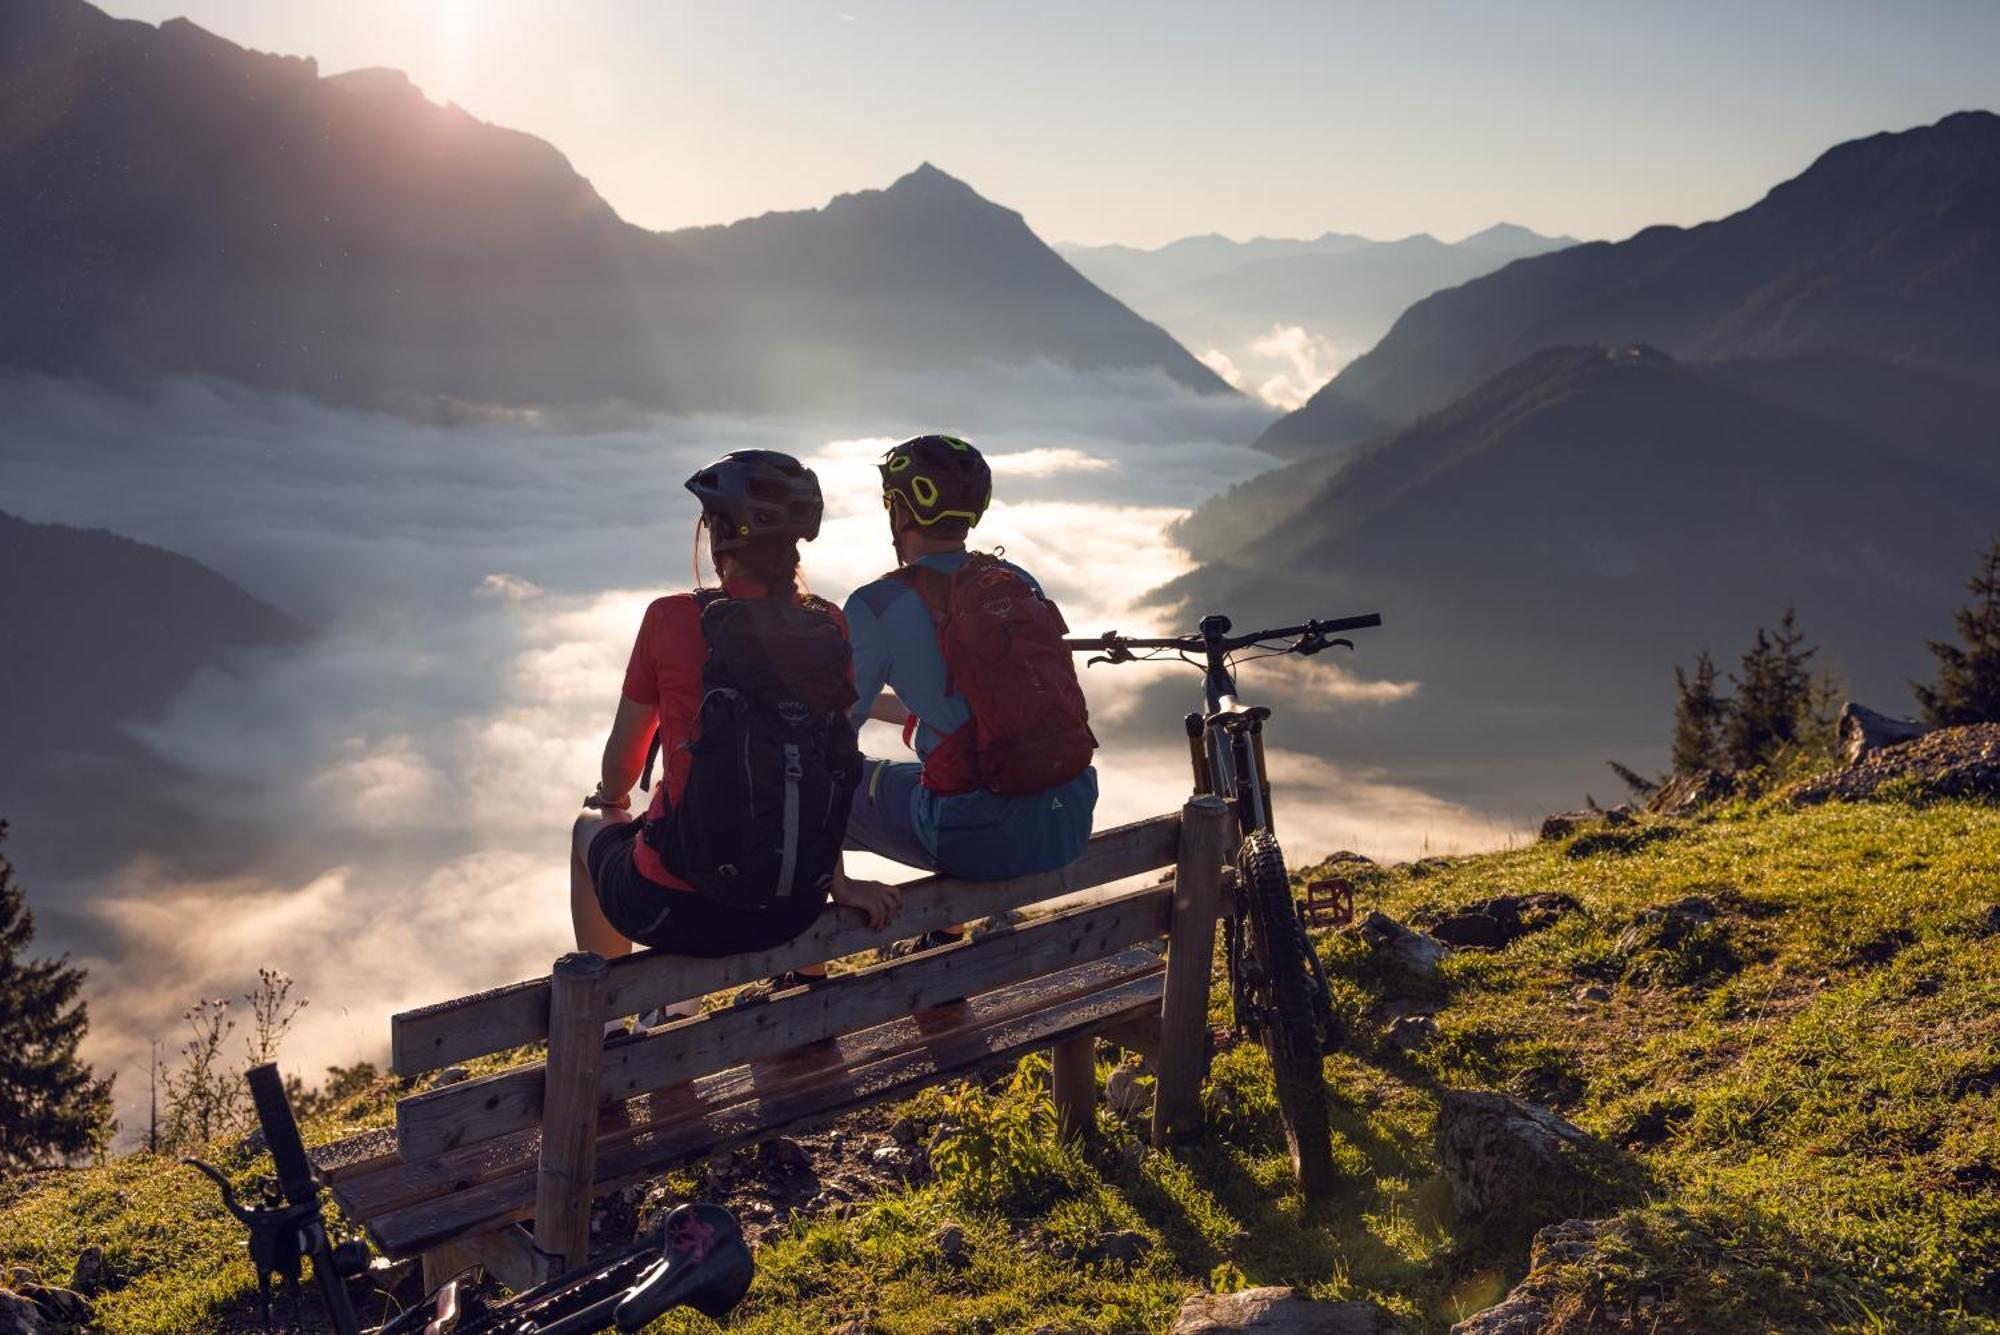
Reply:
x=1345, y=644
x=1095, y=659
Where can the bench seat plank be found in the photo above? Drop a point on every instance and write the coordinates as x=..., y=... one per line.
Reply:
x=412, y=1207
x=508, y=1017
x=433, y=1123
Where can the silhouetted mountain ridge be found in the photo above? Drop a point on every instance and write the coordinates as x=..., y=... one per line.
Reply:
x=1885, y=248
x=1547, y=546
x=102, y=630
x=1341, y=292
x=173, y=203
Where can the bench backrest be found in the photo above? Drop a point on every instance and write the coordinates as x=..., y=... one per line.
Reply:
x=433, y=1122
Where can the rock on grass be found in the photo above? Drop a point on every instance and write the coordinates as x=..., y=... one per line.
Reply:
x=1513, y=1166
x=1279, y=1311
x=1526, y=1310
x=1414, y=952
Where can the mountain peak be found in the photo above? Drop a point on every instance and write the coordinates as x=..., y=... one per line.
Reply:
x=378, y=82
x=1513, y=239
x=928, y=180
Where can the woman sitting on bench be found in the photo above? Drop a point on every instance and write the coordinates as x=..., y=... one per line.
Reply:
x=740, y=846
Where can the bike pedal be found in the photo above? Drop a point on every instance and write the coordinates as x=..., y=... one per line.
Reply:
x=1329, y=903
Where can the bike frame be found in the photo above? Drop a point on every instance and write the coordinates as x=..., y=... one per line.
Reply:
x=1226, y=739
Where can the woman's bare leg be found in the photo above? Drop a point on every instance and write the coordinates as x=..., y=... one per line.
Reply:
x=593, y=931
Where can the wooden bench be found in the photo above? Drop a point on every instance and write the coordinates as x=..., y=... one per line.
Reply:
x=502, y=1169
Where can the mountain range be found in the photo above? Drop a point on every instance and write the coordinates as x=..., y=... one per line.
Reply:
x=1547, y=547
x=173, y=203
x=1551, y=511
x=102, y=633
x=1341, y=291
x=1883, y=249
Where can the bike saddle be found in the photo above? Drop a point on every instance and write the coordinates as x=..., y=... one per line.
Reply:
x=704, y=1264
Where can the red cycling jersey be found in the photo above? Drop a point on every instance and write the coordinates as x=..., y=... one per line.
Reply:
x=664, y=673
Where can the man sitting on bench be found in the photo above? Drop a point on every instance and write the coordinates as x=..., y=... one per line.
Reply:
x=984, y=688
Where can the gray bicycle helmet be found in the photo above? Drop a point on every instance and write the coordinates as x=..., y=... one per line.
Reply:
x=938, y=477
x=752, y=495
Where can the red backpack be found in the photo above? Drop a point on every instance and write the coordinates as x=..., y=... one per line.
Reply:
x=1004, y=655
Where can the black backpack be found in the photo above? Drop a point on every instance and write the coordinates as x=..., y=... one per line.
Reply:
x=761, y=820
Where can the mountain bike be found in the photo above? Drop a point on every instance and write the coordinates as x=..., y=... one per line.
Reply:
x=698, y=1260
x=1278, y=992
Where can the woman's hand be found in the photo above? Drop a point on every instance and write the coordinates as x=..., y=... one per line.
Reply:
x=878, y=899
x=603, y=801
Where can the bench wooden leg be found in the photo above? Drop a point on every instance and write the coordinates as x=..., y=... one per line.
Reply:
x=509, y=1256
x=569, y=1109
x=1183, y=1036
x=1073, y=1066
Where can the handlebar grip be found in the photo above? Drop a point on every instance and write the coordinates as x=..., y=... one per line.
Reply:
x=1352, y=623
x=281, y=1134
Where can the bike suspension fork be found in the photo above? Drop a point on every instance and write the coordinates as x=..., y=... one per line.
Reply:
x=1197, y=753
x=1260, y=780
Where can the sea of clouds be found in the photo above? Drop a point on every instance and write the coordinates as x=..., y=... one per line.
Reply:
x=383, y=812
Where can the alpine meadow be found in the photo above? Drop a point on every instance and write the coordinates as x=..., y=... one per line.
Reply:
x=887, y=669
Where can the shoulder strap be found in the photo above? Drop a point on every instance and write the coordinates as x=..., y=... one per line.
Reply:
x=933, y=586
x=703, y=600
x=812, y=602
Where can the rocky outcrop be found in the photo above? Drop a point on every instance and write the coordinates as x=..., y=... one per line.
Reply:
x=1863, y=732
x=30, y=1308
x=1415, y=952
x=1526, y=1310
x=1279, y=1311
x=1492, y=923
x=20, y=1316
x=1950, y=762
x=1563, y=824
x=1685, y=794
x=1513, y=1166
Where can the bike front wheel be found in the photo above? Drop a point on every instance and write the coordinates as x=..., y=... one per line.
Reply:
x=1287, y=1013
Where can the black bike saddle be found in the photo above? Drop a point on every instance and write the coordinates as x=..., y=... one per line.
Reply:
x=704, y=1264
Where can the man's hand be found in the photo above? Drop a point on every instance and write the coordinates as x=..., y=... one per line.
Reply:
x=877, y=899
x=601, y=801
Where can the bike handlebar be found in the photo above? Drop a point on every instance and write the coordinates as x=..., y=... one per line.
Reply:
x=1113, y=641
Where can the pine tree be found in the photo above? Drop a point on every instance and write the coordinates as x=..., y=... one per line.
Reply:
x=51, y=1105
x=1794, y=679
x=1967, y=689
x=1773, y=697
x=1698, y=717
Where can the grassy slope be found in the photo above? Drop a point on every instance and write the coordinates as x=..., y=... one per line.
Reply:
x=1808, y=1089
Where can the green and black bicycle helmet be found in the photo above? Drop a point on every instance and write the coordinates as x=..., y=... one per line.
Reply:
x=752, y=495
x=938, y=478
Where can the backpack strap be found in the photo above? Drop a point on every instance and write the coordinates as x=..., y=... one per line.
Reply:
x=703, y=600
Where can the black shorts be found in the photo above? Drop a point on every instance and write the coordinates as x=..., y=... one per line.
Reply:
x=685, y=922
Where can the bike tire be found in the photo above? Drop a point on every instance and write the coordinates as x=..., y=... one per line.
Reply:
x=1289, y=1033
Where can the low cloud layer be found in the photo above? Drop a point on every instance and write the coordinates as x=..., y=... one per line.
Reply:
x=1283, y=367
x=391, y=801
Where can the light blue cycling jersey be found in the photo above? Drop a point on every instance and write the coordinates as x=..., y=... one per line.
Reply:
x=978, y=834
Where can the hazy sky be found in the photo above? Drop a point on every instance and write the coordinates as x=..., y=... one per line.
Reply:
x=1142, y=122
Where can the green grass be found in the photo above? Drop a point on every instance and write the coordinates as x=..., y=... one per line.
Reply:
x=1804, y=1088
